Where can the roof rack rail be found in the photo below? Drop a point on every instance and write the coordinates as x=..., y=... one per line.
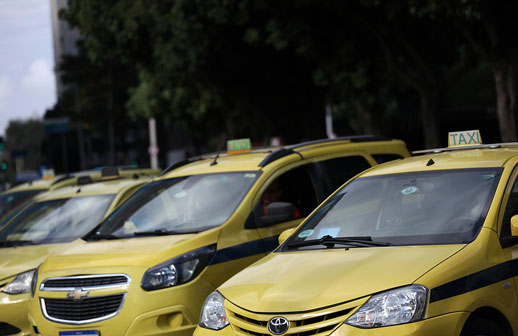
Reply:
x=449, y=149
x=352, y=138
x=85, y=179
x=61, y=178
x=281, y=152
x=180, y=164
x=109, y=172
x=287, y=150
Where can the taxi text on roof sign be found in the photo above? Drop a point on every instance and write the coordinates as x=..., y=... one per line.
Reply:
x=464, y=138
x=239, y=146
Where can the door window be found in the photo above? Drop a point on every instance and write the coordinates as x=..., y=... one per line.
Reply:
x=510, y=210
x=296, y=187
x=340, y=170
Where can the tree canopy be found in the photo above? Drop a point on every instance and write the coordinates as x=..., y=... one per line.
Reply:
x=261, y=68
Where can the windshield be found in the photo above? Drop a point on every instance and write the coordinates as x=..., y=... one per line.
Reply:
x=56, y=221
x=439, y=207
x=10, y=201
x=178, y=205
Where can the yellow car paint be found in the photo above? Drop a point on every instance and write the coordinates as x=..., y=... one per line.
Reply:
x=174, y=310
x=20, y=259
x=467, y=283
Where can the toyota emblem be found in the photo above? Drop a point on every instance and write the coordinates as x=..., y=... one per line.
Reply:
x=278, y=325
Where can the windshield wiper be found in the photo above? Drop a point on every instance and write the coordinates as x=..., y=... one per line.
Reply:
x=163, y=232
x=11, y=243
x=328, y=241
x=103, y=237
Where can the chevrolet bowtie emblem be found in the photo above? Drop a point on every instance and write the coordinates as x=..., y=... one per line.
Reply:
x=78, y=294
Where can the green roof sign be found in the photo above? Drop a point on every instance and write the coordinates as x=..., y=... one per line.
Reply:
x=239, y=146
x=464, y=138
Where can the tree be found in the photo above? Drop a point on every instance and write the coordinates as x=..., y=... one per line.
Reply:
x=490, y=28
x=196, y=66
x=23, y=140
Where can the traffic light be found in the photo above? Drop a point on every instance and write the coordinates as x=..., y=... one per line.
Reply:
x=3, y=166
x=2, y=144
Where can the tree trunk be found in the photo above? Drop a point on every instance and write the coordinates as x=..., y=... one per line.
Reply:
x=505, y=83
x=429, y=100
x=368, y=121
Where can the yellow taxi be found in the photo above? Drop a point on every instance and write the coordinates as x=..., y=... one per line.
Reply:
x=423, y=246
x=53, y=219
x=146, y=269
x=13, y=199
x=16, y=196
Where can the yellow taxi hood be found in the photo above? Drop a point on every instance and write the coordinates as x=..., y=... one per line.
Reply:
x=143, y=251
x=301, y=281
x=16, y=260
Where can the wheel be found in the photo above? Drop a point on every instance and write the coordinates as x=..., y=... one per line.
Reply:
x=482, y=327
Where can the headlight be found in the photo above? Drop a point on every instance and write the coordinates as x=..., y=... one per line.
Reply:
x=398, y=306
x=178, y=270
x=20, y=284
x=213, y=312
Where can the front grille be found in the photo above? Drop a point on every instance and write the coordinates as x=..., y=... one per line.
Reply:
x=7, y=329
x=88, y=309
x=318, y=323
x=76, y=282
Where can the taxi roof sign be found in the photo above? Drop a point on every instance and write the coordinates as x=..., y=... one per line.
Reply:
x=239, y=146
x=464, y=138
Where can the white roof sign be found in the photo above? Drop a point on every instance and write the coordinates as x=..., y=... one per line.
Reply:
x=464, y=138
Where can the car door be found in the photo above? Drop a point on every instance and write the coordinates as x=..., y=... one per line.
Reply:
x=299, y=186
x=509, y=243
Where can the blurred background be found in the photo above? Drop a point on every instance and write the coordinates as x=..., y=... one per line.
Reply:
x=88, y=83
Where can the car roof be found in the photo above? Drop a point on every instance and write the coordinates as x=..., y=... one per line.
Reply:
x=40, y=184
x=260, y=157
x=483, y=157
x=96, y=188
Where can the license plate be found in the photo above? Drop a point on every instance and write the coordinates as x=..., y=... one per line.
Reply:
x=80, y=332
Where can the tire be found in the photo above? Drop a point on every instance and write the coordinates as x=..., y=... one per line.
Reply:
x=482, y=327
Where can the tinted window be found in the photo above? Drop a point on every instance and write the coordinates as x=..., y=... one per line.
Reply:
x=296, y=186
x=342, y=169
x=510, y=210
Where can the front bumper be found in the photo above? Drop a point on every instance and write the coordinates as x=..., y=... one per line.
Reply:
x=13, y=311
x=444, y=325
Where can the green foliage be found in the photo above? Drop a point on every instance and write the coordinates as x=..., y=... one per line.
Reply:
x=24, y=136
x=257, y=68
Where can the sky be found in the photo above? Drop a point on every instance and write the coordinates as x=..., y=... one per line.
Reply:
x=27, y=82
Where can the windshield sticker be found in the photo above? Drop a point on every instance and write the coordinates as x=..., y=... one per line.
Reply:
x=180, y=194
x=328, y=231
x=306, y=233
x=250, y=175
x=409, y=190
x=488, y=177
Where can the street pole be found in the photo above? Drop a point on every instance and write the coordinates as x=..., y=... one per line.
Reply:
x=329, y=123
x=153, y=148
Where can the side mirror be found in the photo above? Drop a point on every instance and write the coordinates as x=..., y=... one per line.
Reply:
x=514, y=226
x=278, y=212
x=285, y=234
